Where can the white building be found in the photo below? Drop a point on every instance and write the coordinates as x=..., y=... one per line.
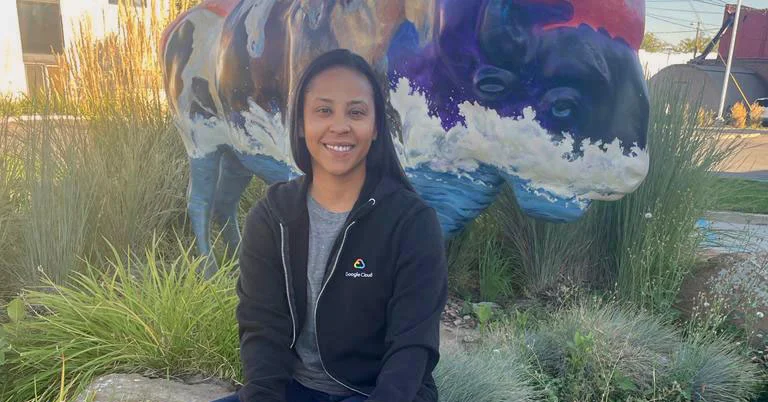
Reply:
x=31, y=30
x=652, y=63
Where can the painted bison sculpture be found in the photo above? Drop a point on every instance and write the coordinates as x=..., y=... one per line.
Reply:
x=547, y=96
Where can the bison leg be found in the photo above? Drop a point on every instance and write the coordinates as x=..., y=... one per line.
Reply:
x=233, y=179
x=204, y=174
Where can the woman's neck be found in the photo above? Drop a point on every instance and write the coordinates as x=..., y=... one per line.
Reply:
x=337, y=193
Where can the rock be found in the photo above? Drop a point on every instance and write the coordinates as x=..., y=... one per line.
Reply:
x=136, y=388
x=458, y=322
x=471, y=338
x=466, y=318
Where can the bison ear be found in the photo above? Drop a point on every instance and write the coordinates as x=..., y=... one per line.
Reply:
x=422, y=15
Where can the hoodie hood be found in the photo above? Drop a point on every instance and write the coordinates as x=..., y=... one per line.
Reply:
x=288, y=200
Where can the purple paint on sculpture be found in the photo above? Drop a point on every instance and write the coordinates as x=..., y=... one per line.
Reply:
x=499, y=54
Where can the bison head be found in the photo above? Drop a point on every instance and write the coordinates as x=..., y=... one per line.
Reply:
x=547, y=93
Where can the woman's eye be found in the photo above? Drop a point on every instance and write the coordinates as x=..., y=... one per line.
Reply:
x=357, y=113
x=324, y=110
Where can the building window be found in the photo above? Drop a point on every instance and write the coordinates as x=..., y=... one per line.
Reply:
x=40, y=26
x=42, y=35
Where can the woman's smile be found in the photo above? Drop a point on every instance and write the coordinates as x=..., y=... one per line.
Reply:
x=340, y=149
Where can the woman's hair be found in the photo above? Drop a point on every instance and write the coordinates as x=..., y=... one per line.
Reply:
x=382, y=158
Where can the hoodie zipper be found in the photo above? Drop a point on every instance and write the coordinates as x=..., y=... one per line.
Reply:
x=317, y=303
x=319, y=296
x=288, y=287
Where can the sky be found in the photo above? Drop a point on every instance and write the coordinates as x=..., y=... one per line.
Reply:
x=673, y=20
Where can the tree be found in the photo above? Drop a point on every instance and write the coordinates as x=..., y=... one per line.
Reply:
x=653, y=43
x=689, y=45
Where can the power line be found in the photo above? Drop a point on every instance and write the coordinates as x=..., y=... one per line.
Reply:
x=667, y=21
x=706, y=2
x=681, y=10
x=679, y=20
x=695, y=11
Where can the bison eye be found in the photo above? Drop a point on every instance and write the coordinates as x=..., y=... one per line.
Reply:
x=563, y=108
x=561, y=103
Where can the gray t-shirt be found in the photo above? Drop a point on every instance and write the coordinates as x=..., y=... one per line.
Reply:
x=324, y=227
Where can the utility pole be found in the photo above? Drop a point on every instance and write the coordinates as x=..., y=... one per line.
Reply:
x=696, y=41
x=729, y=63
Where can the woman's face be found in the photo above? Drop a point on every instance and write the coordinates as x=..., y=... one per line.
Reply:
x=339, y=122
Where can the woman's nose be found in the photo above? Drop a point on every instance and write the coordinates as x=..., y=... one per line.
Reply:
x=340, y=124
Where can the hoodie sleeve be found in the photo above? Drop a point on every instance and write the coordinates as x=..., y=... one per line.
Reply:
x=414, y=311
x=263, y=315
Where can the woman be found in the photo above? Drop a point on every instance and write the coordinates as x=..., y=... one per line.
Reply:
x=342, y=271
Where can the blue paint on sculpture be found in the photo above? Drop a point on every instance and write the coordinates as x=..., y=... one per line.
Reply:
x=544, y=95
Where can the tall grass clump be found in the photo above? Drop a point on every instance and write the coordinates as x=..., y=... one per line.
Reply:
x=58, y=186
x=116, y=84
x=644, y=244
x=112, y=170
x=543, y=252
x=11, y=175
x=479, y=262
x=148, y=314
x=86, y=183
x=648, y=240
x=597, y=351
x=485, y=376
x=119, y=75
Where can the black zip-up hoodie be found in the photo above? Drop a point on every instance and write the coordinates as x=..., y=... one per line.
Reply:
x=378, y=313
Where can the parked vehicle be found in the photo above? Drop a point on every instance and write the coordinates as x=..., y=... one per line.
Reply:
x=764, y=103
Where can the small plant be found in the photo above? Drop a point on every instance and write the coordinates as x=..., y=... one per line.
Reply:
x=579, y=356
x=15, y=311
x=756, y=115
x=495, y=272
x=484, y=313
x=739, y=115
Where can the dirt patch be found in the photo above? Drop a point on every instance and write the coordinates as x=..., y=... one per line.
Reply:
x=458, y=327
x=731, y=285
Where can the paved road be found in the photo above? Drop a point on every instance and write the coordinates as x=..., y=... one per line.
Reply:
x=759, y=175
x=749, y=164
x=735, y=232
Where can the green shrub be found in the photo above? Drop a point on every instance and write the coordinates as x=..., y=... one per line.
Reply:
x=485, y=376
x=605, y=352
x=147, y=315
x=715, y=370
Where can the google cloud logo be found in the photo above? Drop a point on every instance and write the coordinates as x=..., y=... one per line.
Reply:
x=359, y=264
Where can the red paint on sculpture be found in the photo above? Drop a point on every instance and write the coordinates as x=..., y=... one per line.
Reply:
x=220, y=7
x=623, y=19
